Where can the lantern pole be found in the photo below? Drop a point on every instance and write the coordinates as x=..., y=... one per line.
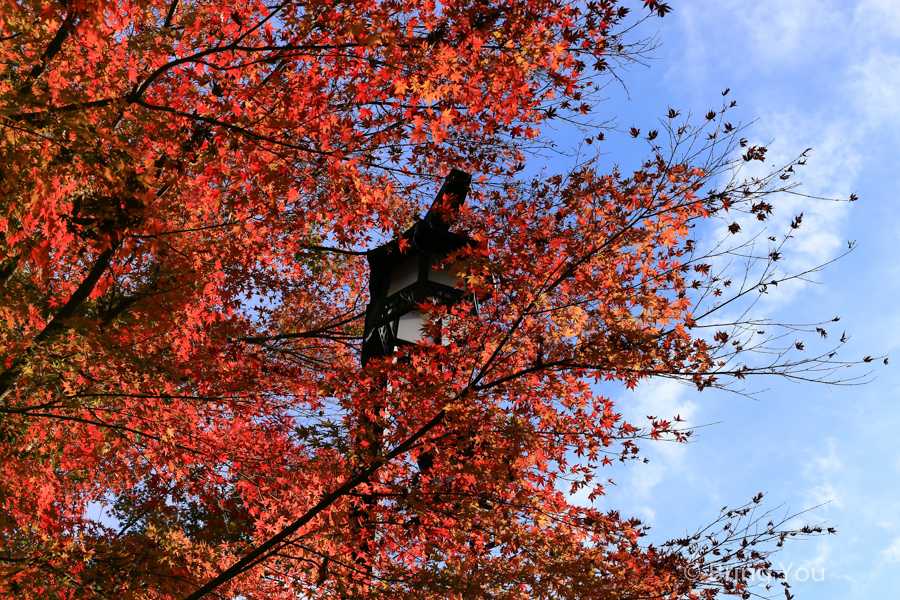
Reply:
x=428, y=236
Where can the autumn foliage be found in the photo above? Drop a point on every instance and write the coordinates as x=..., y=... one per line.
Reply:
x=189, y=190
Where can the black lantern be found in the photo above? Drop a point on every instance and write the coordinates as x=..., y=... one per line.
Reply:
x=401, y=280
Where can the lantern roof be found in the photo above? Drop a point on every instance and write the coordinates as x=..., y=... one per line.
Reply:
x=431, y=233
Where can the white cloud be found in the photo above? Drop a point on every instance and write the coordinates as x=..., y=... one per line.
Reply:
x=793, y=31
x=660, y=399
x=667, y=460
x=837, y=54
x=645, y=514
x=827, y=471
x=874, y=87
x=749, y=39
x=881, y=16
x=821, y=558
x=638, y=483
x=820, y=74
x=891, y=554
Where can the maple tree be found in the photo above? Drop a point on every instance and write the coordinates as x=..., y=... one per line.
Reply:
x=190, y=193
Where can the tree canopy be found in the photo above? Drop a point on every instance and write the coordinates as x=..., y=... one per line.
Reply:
x=190, y=191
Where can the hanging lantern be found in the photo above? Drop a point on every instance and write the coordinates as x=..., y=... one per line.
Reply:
x=402, y=280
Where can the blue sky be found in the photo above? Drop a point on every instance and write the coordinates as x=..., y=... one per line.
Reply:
x=812, y=73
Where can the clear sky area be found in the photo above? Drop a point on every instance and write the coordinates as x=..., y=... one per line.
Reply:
x=814, y=74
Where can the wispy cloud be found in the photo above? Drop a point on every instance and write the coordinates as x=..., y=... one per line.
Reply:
x=667, y=461
x=825, y=470
x=891, y=554
x=817, y=73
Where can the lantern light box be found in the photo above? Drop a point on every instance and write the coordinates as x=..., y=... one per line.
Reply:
x=402, y=280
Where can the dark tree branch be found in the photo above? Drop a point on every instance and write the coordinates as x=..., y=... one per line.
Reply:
x=274, y=544
x=336, y=250
x=52, y=50
x=57, y=326
x=229, y=126
x=99, y=423
x=302, y=334
x=10, y=268
x=171, y=14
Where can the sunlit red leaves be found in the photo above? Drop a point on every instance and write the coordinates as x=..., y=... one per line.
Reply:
x=225, y=167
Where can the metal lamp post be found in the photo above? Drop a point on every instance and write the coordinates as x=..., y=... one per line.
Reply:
x=399, y=282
